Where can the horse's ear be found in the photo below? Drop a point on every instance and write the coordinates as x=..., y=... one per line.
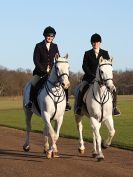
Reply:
x=56, y=56
x=66, y=56
x=100, y=60
x=111, y=60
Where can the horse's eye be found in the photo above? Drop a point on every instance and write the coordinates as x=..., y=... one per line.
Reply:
x=57, y=68
x=101, y=72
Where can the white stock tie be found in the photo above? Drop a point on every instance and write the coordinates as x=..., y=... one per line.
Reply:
x=48, y=46
x=96, y=53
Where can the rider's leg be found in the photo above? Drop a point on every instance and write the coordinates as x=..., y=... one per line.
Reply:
x=116, y=112
x=83, y=88
x=68, y=106
x=34, y=81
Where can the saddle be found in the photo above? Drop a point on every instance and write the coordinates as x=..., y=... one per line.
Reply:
x=79, y=97
x=39, y=86
x=86, y=87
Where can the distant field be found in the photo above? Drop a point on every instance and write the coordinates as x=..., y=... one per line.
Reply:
x=12, y=115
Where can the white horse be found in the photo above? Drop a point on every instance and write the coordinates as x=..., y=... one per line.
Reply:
x=52, y=102
x=98, y=106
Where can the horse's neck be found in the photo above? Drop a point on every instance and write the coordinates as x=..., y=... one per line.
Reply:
x=98, y=89
x=56, y=92
x=53, y=85
x=53, y=78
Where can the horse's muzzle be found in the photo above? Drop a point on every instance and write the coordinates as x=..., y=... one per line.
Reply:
x=111, y=88
x=66, y=85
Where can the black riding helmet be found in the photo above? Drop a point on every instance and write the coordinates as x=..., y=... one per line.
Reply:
x=96, y=38
x=49, y=31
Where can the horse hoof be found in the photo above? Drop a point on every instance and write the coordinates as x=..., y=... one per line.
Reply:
x=99, y=159
x=45, y=150
x=104, y=146
x=48, y=154
x=55, y=154
x=94, y=155
x=81, y=151
x=26, y=148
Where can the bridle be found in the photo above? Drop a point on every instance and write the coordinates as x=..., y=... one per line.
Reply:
x=58, y=75
x=103, y=81
x=106, y=92
x=58, y=83
x=59, y=90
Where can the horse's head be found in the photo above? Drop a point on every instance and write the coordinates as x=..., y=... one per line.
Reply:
x=61, y=70
x=104, y=73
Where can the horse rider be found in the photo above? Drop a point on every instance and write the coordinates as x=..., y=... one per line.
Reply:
x=43, y=58
x=90, y=64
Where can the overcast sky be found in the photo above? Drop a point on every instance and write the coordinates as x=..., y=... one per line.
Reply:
x=22, y=24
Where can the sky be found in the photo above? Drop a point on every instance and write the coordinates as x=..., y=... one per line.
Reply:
x=22, y=24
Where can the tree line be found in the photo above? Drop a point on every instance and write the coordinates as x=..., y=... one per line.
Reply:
x=12, y=82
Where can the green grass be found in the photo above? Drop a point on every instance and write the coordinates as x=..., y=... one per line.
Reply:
x=12, y=115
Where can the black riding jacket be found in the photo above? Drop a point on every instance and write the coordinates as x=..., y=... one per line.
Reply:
x=90, y=63
x=43, y=58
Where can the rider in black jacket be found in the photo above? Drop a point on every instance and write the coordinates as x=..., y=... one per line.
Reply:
x=44, y=54
x=90, y=64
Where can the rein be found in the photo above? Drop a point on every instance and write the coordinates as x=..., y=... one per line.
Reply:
x=56, y=91
x=58, y=86
x=102, y=101
x=106, y=92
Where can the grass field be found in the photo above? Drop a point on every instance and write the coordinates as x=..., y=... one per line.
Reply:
x=12, y=115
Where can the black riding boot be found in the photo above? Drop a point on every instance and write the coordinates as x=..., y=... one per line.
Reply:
x=80, y=99
x=68, y=106
x=116, y=112
x=31, y=97
x=79, y=103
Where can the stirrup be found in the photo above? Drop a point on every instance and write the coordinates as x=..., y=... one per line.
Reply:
x=78, y=111
x=116, y=112
x=68, y=106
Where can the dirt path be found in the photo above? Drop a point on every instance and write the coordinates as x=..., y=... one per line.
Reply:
x=16, y=163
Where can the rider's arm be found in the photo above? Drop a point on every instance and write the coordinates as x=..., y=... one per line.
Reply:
x=36, y=58
x=57, y=50
x=85, y=66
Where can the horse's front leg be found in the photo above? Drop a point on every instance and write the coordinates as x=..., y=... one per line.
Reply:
x=80, y=131
x=46, y=142
x=46, y=118
x=95, y=128
x=94, y=151
x=57, y=127
x=28, y=115
x=110, y=125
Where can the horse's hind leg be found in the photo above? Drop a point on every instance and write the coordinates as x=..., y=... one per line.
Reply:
x=28, y=115
x=110, y=125
x=80, y=130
